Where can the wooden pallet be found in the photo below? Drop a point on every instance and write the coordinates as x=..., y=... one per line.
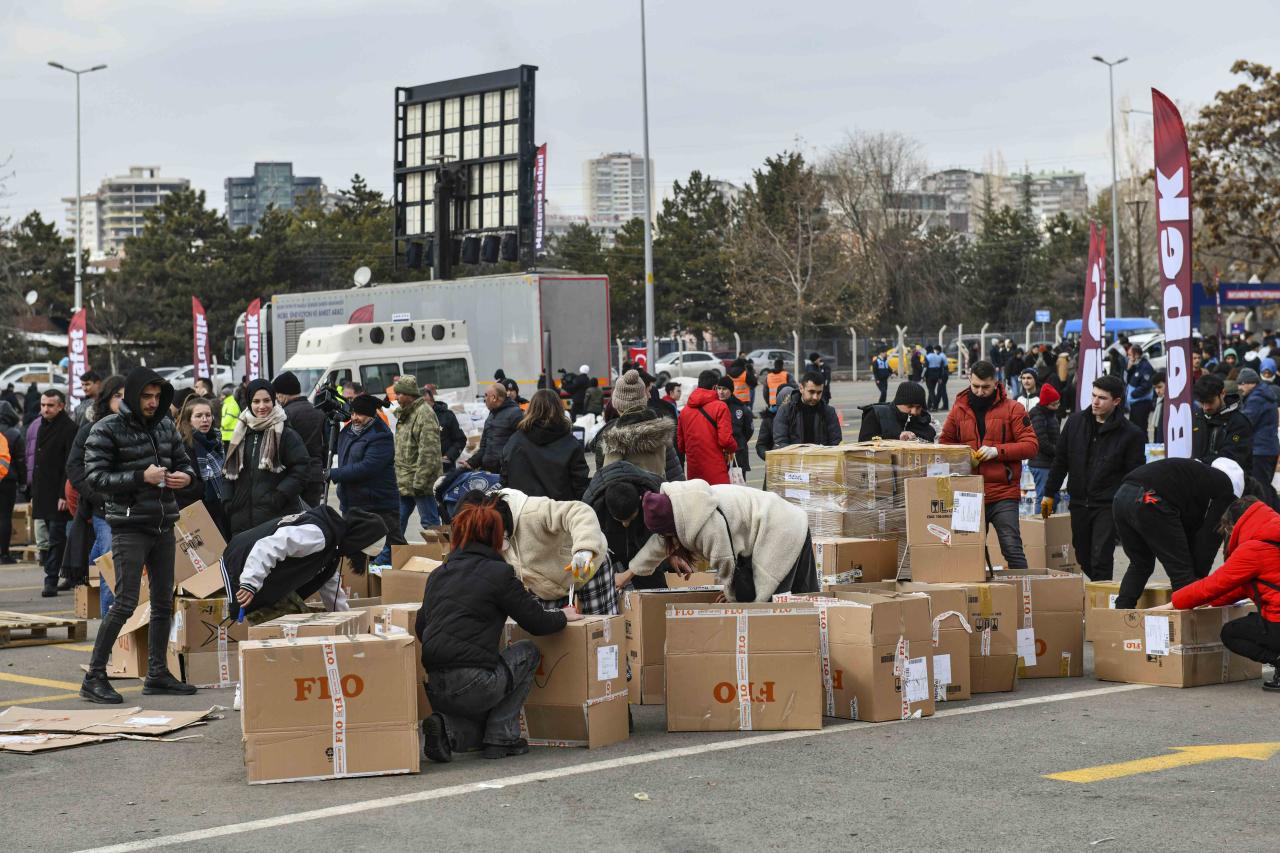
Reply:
x=28, y=629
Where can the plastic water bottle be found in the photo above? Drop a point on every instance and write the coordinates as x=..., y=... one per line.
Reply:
x=1027, y=504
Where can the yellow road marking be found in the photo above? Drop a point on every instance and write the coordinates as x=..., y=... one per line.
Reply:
x=53, y=613
x=1182, y=756
x=39, y=682
x=58, y=697
x=19, y=588
x=74, y=647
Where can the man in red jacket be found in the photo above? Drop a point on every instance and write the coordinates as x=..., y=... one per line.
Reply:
x=1000, y=437
x=1252, y=570
x=704, y=433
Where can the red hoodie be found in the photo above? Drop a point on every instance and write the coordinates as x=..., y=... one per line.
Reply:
x=704, y=446
x=1008, y=430
x=1252, y=556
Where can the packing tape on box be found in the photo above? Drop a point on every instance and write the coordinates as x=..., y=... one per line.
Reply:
x=330, y=652
x=1026, y=603
x=744, y=676
x=1226, y=655
x=900, y=655
x=937, y=620
x=984, y=644
x=940, y=532
x=984, y=601
x=1064, y=667
x=224, y=665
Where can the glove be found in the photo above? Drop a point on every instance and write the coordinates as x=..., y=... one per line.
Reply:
x=581, y=567
x=1046, y=507
x=986, y=454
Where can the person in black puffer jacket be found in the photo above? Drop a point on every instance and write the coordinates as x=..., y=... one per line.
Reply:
x=136, y=459
x=542, y=457
x=1044, y=420
x=16, y=475
x=477, y=691
x=267, y=464
x=310, y=425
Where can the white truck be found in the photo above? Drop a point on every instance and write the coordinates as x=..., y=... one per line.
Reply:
x=524, y=323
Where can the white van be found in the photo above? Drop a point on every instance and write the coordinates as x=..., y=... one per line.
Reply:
x=435, y=352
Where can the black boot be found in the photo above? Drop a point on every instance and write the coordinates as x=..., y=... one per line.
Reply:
x=164, y=684
x=96, y=688
x=435, y=740
x=50, y=589
x=1274, y=683
x=502, y=750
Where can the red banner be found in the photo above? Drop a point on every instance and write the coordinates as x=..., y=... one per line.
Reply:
x=253, y=340
x=1173, y=227
x=199, y=341
x=539, y=197
x=77, y=357
x=1091, y=325
x=363, y=314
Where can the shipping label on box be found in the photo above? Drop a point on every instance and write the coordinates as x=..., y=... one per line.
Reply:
x=743, y=667
x=1174, y=648
x=329, y=707
x=644, y=614
x=849, y=559
x=945, y=511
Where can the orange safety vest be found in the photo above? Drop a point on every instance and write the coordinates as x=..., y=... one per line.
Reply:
x=740, y=389
x=775, y=380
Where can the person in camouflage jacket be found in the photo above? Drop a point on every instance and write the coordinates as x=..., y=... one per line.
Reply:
x=418, y=462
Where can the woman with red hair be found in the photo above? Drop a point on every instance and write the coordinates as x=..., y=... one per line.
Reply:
x=477, y=692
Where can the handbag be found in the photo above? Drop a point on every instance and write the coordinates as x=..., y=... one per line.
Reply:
x=743, y=580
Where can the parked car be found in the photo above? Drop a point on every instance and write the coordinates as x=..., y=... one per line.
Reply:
x=764, y=359
x=727, y=357
x=185, y=377
x=15, y=373
x=687, y=363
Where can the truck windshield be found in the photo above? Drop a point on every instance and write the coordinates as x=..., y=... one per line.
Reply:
x=376, y=377
x=440, y=372
x=307, y=377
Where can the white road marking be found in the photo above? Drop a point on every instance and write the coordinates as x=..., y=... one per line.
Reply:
x=574, y=770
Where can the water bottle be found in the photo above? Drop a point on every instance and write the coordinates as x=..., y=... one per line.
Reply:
x=1027, y=504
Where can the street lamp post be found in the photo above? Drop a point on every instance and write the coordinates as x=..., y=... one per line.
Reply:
x=1115, y=219
x=79, y=298
x=651, y=343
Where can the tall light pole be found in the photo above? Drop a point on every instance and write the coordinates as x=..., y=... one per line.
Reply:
x=1115, y=219
x=79, y=300
x=651, y=342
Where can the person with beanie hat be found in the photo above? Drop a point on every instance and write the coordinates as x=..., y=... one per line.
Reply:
x=1028, y=383
x=309, y=423
x=274, y=567
x=905, y=418
x=639, y=434
x=805, y=417
x=418, y=460
x=1098, y=448
x=365, y=474
x=740, y=415
x=267, y=464
x=1259, y=404
x=1046, y=420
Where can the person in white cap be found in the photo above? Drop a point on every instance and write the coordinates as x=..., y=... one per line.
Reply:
x=1169, y=510
x=578, y=393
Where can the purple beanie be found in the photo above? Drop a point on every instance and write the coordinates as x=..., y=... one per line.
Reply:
x=658, y=514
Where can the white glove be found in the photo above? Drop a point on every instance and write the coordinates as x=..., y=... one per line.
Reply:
x=581, y=559
x=988, y=453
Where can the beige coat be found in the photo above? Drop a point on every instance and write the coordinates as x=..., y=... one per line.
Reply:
x=545, y=536
x=761, y=525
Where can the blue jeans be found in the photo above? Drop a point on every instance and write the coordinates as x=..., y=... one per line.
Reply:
x=101, y=545
x=428, y=512
x=1041, y=476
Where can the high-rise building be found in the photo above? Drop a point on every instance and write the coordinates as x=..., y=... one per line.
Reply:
x=91, y=231
x=275, y=184
x=124, y=200
x=1051, y=193
x=614, y=185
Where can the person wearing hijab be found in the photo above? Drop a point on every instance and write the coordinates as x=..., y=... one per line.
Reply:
x=267, y=462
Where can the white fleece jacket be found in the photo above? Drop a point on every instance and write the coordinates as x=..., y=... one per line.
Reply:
x=545, y=535
x=760, y=524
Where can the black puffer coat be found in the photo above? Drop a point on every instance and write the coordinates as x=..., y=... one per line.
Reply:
x=1047, y=426
x=545, y=462
x=310, y=425
x=258, y=495
x=122, y=446
x=624, y=542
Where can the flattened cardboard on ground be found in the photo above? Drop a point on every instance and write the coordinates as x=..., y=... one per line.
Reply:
x=98, y=721
x=198, y=553
x=296, y=729
x=407, y=585
x=743, y=667
x=327, y=624
x=947, y=563
x=205, y=624
x=645, y=615
x=930, y=503
x=1171, y=648
x=1050, y=630
x=29, y=744
x=850, y=559
x=579, y=695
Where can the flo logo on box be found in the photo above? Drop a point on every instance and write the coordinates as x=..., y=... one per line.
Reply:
x=726, y=692
x=318, y=688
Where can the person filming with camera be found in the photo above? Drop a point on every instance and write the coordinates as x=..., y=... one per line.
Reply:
x=365, y=473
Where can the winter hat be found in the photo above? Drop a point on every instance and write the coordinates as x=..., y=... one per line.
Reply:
x=724, y=382
x=1268, y=365
x=909, y=394
x=287, y=383
x=366, y=533
x=658, y=514
x=1049, y=394
x=367, y=405
x=407, y=385
x=1229, y=351
x=1248, y=376
x=629, y=393
x=584, y=369
x=1029, y=372
x=1232, y=469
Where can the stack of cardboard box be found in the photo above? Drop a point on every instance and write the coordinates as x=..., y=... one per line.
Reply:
x=24, y=526
x=1101, y=595
x=945, y=520
x=1050, y=631
x=645, y=616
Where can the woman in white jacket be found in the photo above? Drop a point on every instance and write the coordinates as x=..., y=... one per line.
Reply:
x=756, y=542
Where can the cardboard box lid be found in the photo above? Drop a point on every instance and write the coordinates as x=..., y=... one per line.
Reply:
x=423, y=565
x=645, y=612
x=199, y=551
x=196, y=622
x=285, y=683
x=435, y=550
x=132, y=720
x=879, y=617
x=694, y=629
x=1048, y=590
x=300, y=625
x=930, y=503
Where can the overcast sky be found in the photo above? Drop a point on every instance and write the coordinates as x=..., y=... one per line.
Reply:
x=204, y=88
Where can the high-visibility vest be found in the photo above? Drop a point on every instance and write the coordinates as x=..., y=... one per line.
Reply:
x=775, y=380
x=740, y=389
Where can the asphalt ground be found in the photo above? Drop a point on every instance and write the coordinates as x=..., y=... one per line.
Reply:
x=971, y=777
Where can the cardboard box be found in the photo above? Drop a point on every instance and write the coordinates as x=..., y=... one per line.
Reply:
x=408, y=584
x=947, y=563
x=697, y=580
x=196, y=568
x=848, y=559
x=1046, y=543
x=399, y=620
x=366, y=585
x=300, y=625
x=296, y=729
x=205, y=625
x=931, y=503
x=993, y=613
x=743, y=667
x=88, y=602
x=1050, y=632
x=644, y=613
x=436, y=549
x=219, y=668
x=1172, y=648
x=579, y=695
x=876, y=654
x=23, y=532
x=1102, y=594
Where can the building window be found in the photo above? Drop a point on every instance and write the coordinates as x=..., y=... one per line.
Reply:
x=431, y=116
x=509, y=169
x=471, y=110
x=509, y=217
x=509, y=136
x=492, y=143
x=431, y=148
x=491, y=175
x=451, y=145
x=510, y=104
x=413, y=151
x=470, y=144
x=492, y=107
x=452, y=113
x=413, y=188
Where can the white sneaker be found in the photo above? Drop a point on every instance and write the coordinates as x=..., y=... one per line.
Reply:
x=235, y=705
